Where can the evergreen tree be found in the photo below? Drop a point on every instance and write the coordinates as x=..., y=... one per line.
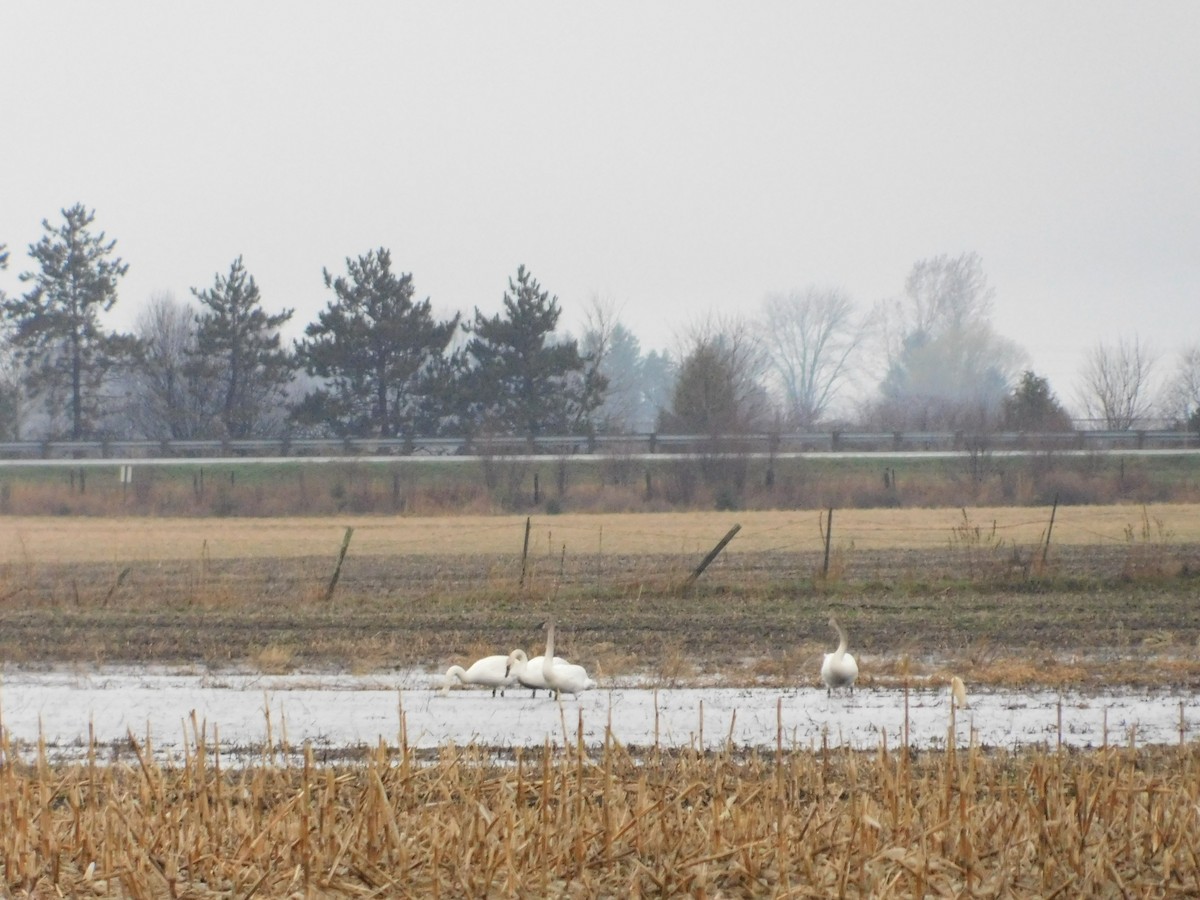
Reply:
x=379, y=353
x=1032, y=406
x=658, y=374
x=705, y=397
x=619, y=358
x=522, y=380
x=718, y=390
x=637, y=386
x=238, y=353
x=56, y=331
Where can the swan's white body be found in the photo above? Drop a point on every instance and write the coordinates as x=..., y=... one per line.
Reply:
x=958, y=693
x=839, y=668
x=529, y=671
x=563, y=679
x=491, y=671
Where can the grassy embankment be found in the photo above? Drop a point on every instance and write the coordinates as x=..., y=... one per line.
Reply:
x=434, y=487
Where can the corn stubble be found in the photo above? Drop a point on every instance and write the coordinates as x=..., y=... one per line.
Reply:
x=572, y=821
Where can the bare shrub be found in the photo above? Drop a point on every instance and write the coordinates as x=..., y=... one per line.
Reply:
x=1149, y=550
x=275, y=659
x=987, y=555
x=683, y=478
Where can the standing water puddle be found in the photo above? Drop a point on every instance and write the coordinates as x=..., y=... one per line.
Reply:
x=246, y=712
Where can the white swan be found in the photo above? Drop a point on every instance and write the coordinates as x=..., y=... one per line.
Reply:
x=958, y=693
x=568, y=678
x=529, y=671
x=839, y=668
x=491, y=671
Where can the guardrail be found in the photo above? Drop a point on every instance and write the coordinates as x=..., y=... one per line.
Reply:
x=624, y=444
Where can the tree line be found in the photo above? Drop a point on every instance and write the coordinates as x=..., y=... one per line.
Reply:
x=377, y=362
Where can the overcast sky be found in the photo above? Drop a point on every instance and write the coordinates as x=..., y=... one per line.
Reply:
x=674, y=158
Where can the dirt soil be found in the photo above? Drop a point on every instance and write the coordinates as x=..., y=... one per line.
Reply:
x=1112, y=613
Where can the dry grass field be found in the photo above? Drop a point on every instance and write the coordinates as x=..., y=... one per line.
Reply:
x=25, y=539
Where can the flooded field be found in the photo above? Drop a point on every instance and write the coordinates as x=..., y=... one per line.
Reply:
x=249, y=715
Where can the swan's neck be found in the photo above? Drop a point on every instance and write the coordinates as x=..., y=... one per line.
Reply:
x=548, y=662
x=843, y=644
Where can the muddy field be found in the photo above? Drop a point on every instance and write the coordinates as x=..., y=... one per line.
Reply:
x=1110, y=613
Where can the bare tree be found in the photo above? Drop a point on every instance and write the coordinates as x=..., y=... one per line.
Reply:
x=809, y=338
x=600, y=329
x=11, y=395
x=1115, y=387
x=13, y=404
x=948, y=293
x=168, y=397
x=947, y=367
x=1181, y=399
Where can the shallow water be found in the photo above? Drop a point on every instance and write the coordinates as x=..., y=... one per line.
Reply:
x=70, y=708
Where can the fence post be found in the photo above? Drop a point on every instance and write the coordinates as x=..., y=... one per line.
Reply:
x=828, y=540
x=1049, y=528
x=525, y=549
x=337, y=570
x=712, y=554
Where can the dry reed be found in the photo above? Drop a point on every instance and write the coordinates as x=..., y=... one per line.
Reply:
x=575, y=821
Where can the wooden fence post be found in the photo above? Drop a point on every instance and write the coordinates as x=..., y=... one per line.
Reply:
x=712, y=554
x=828, y=540
x=525, y=550
x=337, y=570
x=1049, y=529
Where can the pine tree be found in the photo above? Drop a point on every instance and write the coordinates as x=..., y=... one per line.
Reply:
x=522, y=380
x=238, y=352
x=379, y=353
x=56, y=331
x=1032, y=406
x=705, y=397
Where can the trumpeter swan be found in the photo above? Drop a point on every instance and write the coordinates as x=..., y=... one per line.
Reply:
x=491, y=671
x=529, y=671
x=839, y=668
x=570, y=679
x=958, y=693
